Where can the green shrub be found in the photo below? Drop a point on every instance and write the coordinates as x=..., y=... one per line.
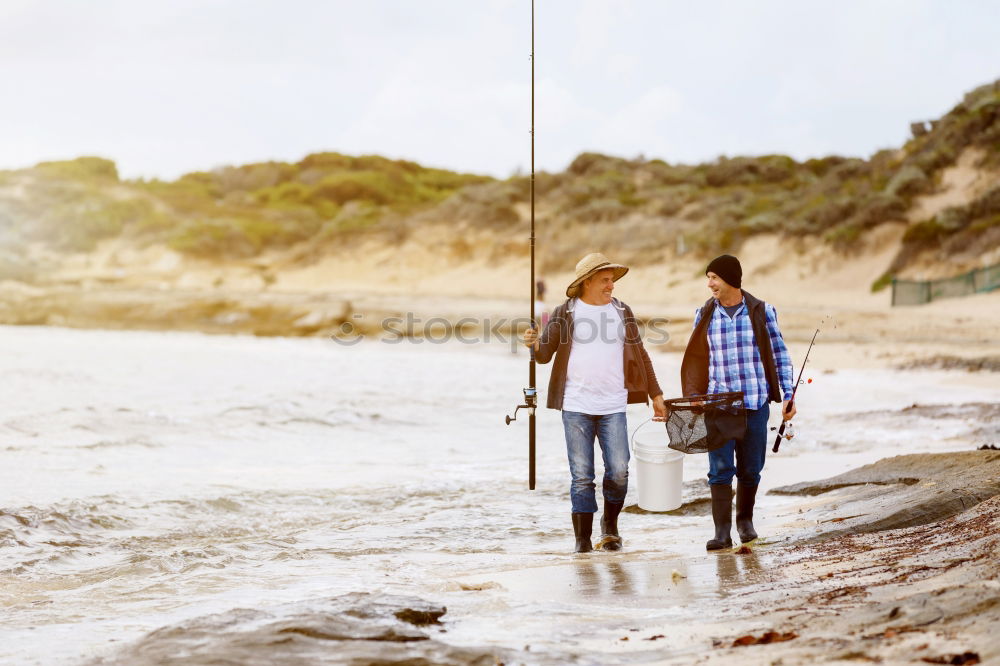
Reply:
x=253, y=177
x=850, y=169
x=357, y=216
x=984, y=223
x=668, y=206
x=843, y=235
x=78, y=220
x=600, y=211
x=354, y=217
x=372, y=186
x=325, y=162
x=138, y=213
x=761, y=223
x=628, y=198
x=284, y=194
x=882, y=282
x=595, y=163
x=908, y=181
x=436, y=184
x=924, y=232
x=547, y=183
x=877, y=209
x=821, y=166
x=211, y=238
x=609, y=183
x=749, y=170
x=823, y=212
x=484, y=205
x=987, y=204
x=664, y=174
x=760, y=204
x=237, y=236
x=82, y=168
x=935, y=158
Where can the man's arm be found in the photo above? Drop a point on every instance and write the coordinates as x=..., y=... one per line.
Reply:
x=546, y=344
x=782, y=358
x=652, y=386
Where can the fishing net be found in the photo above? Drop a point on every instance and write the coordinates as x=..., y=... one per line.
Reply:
x=703, y=423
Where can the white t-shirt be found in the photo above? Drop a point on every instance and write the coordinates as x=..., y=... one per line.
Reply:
x=595, y=378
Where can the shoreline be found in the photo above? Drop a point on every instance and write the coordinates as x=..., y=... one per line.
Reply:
x=958, y=334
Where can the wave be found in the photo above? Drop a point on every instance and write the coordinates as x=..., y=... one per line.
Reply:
x=141, y=442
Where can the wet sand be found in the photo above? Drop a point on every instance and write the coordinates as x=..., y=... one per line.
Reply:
x=835, y=586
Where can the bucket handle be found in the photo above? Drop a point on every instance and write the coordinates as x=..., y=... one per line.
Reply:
x=631, y=440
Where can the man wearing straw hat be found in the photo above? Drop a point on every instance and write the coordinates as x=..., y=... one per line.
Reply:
x=600, y=366
x=736, y=346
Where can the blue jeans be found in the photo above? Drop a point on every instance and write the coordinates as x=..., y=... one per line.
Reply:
x=749, y=453
x=612, y=434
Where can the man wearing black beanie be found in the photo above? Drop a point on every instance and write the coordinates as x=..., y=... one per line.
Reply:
x=728, y=268
x=736, y=346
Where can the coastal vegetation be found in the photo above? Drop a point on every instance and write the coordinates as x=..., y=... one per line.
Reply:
x=326, y=199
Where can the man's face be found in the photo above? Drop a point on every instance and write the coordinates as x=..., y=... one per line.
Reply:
x=598, y=287
x=720, y=288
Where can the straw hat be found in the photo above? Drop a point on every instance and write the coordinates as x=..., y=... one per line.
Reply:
x=589, y=265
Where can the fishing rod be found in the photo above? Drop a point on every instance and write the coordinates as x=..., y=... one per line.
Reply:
x=781, y=430
x=531, y=393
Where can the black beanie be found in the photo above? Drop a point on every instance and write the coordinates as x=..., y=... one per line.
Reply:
x=728, y=268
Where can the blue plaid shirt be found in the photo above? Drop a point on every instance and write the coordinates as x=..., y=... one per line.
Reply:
x=734, y=360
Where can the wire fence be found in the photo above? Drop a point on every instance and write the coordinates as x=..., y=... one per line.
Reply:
x=917, y=292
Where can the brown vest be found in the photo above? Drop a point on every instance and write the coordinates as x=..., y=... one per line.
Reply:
x=694, y=366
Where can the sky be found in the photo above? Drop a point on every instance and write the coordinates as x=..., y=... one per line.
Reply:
x=164, y=87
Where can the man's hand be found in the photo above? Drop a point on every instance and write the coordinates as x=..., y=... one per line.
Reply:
x=531, y=338
x=787, y=415
x=659, y=408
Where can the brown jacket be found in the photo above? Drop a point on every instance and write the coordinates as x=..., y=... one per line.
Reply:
x=557, y=340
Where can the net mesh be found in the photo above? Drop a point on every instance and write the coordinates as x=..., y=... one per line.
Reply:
x=703, y=423
x=917, y=292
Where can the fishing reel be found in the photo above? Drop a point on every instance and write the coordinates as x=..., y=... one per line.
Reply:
x=530, y=402
x=786, y=432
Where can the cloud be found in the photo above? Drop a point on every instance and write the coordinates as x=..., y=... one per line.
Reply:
x=448, y=113
x=168, y=86
x=639, y=121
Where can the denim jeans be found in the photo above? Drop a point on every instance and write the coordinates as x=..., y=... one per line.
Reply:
x=612, y=434
x=749, y=453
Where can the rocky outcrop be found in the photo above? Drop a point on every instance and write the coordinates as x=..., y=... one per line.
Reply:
x=903, y=491
x=357, y=628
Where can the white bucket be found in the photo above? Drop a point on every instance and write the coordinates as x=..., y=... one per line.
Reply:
x=660, y=471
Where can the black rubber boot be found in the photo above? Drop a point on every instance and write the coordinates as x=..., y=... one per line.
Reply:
x=583, y=528
x=722, y=515
x=745, y=496
x=610, y=540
